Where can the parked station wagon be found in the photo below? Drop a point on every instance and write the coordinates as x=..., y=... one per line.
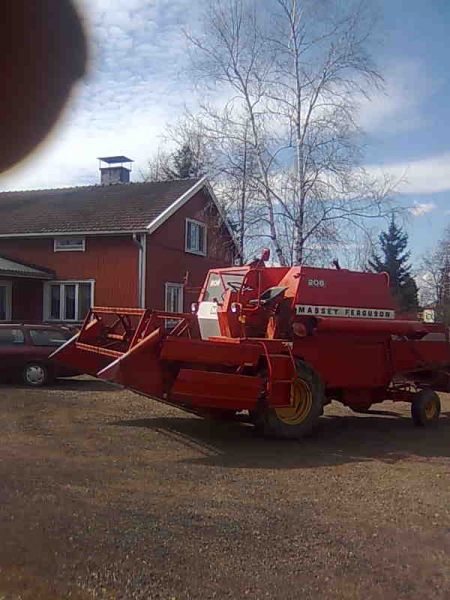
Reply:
x=24, y=352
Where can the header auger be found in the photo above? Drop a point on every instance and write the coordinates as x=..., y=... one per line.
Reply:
x=276, y=342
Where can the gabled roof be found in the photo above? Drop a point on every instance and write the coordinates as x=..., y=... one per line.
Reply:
x=132, y=207
x=12, y=268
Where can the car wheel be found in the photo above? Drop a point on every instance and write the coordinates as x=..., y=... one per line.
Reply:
x=35, y=375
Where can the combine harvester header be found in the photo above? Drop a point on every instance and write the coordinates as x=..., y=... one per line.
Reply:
x=276, y=342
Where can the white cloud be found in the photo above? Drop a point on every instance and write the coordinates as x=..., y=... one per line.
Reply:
x=136, y=84
x=69, y=156
x=422, y=208
x=425, y=176
x=398, y=106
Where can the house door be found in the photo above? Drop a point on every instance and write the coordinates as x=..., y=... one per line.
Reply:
x=5, y=301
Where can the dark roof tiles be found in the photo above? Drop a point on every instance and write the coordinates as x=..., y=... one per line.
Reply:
x=121, y=207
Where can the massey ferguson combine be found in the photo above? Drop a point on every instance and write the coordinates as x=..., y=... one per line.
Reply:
x=274, y=344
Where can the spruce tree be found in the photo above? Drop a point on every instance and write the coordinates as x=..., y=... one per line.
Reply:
x=394, y=260
x=184, y=164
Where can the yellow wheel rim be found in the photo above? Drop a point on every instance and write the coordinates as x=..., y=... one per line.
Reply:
x=430, y=410
x=300, y=404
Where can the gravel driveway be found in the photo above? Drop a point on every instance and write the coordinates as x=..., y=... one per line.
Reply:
x=104, y=494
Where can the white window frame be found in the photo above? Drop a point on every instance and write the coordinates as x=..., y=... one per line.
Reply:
x=178, y=286
x=170, y=323
x=8, y=286
x=46, y=301
x=81, y=248
x=205, y=230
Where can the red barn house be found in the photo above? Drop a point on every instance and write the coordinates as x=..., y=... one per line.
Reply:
x=117, y=244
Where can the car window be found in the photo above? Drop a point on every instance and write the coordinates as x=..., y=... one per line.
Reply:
x=9, y=336
x=49, y=337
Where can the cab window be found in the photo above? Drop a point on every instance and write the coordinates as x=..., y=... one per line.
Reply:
x=218, y=284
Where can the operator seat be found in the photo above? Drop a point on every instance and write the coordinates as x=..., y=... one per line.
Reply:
x=270, y=296
x=274, y=318
x=279, y=325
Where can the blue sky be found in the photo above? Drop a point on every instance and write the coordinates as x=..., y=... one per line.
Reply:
x=411, y=134
x=137, y=83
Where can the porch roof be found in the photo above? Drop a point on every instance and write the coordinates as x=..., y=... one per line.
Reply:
x=12, y=268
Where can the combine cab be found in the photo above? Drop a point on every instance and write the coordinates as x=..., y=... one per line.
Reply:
x=273, y=343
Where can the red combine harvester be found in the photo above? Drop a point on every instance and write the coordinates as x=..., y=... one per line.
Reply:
x=276, y=342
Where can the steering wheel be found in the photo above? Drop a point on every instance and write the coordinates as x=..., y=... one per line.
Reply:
x=234, y=285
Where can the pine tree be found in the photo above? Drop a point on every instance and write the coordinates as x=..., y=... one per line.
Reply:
x=394, y=260
x=184, y=164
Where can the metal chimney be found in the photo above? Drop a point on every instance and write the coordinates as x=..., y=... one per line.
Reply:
x=115, y=171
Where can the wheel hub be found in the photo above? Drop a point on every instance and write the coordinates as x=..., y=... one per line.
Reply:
x=300, y=404
x=35, y=374
x=430, y=410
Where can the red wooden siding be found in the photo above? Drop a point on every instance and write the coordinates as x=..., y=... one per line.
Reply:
x=112, y=261
x=167, y=260
x=27, y=297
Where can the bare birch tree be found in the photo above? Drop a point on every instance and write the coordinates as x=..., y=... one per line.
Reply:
x=224, y=150
x=435, y=279
x=292, y=74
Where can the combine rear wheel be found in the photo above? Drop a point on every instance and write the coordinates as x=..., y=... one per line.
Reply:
x=298, y=419
x=425, y=408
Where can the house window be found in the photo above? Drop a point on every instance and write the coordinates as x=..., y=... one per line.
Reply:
x=174, y=302
x=5, y=301
x=174, y=297
x=68, y=300
x=69, y=244
x=195, y=237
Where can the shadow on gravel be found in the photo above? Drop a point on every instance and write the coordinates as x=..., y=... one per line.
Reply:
x=70, y=385
x=83, y=385
x=337, y=440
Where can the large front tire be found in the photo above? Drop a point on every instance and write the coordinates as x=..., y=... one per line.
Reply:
x=425, y=408
x=298, y=419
